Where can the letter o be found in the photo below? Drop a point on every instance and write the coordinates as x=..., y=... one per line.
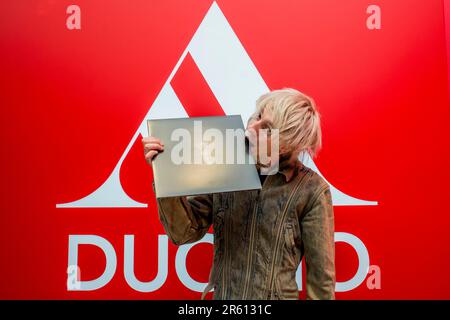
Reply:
x=363, y=261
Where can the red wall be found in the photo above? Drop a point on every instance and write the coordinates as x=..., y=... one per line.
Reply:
x=71, y=100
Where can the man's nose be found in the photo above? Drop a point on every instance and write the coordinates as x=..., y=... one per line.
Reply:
x=251, y=134
x=253, y=125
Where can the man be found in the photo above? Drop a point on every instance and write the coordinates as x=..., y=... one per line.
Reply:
x=261, y=236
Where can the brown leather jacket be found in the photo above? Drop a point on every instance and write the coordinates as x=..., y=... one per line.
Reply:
x=261, y=236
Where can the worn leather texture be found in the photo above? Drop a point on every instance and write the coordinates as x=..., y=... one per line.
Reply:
x=260, y=237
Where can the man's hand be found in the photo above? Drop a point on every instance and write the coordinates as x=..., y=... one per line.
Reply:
x=152, y=146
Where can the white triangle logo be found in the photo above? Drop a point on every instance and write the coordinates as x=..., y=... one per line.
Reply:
x=233, y=79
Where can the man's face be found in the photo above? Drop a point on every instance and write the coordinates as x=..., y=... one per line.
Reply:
x=259, y=136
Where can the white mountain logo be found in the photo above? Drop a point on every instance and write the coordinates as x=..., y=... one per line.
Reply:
x=235, y=82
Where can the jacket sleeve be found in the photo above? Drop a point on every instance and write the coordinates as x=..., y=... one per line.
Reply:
x=318, y=240
x=185, y=219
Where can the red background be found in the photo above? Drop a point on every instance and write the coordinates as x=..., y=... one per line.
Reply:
x=71, y=101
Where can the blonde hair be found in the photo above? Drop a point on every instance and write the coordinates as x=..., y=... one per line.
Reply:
x=296, y=117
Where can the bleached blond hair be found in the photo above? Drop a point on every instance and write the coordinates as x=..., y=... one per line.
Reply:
x=296, y=117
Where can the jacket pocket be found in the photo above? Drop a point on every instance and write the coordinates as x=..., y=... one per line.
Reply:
x=290, y=239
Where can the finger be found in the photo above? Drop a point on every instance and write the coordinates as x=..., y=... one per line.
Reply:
x=153, y=146
x=151, y=139
x=150, y=155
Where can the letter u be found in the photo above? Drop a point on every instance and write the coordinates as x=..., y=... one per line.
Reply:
x=160, y=278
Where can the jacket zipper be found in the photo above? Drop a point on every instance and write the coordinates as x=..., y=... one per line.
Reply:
x=283, y=216
x=250, y=250
x=252, y=240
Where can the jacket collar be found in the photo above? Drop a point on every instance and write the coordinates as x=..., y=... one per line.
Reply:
x=289, y=166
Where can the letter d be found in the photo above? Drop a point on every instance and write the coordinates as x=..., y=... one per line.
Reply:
x=111, y=261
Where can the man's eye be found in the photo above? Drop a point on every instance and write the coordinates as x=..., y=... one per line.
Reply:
x=266, y=128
